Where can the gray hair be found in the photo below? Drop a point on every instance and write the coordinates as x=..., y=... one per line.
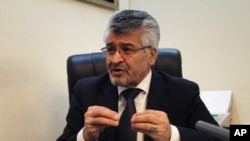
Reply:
x=128, y=21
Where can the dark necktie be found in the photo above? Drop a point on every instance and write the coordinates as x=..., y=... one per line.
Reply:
x=125, y=133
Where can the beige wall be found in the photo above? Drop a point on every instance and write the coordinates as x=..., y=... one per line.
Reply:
x=213, y=37
x=36, y=37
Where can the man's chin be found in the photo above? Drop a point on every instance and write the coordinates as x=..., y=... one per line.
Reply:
x=119, y=82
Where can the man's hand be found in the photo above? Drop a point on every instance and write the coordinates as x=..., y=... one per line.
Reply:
x=97, y=118
x=153, y=123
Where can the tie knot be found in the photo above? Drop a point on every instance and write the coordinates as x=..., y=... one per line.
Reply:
x=131, y=93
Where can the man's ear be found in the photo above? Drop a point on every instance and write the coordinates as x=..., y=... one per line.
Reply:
x=153, y=56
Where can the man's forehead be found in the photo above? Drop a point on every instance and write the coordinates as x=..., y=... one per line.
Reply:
x=124, y=37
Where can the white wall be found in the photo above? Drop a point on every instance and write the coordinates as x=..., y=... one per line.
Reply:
x=36, y=37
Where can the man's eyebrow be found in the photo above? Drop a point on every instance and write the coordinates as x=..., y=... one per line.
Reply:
x=121, y=44
x=109, y=43
x=127, y=44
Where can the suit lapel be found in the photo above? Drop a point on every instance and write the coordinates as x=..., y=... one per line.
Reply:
x=157, y=96
x=108, y=97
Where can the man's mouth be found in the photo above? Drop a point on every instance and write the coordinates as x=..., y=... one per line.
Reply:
x=117, y=71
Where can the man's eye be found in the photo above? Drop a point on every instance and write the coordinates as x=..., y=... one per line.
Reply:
x=127, y=49
x=110, y=49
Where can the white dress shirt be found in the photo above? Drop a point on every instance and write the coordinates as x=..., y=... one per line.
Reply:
x=140, y=104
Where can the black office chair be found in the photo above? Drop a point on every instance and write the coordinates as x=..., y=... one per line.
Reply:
x=93, y=64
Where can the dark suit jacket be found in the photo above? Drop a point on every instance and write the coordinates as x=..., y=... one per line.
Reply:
x=178, y=97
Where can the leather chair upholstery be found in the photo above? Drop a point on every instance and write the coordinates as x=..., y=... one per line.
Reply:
x=93, y=64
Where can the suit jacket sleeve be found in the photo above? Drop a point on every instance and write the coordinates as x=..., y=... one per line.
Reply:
x=88, y=92
x=74, y=118
x=180, y=99
x=197, y=111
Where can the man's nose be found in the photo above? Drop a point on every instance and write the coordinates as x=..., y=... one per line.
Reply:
x=117, y=57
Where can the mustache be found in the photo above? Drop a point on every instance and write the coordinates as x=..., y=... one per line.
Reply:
x=118, y=66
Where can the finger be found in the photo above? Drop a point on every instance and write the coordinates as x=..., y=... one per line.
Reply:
x=154, y=131
x=99, y=111
x=144, y=118
x=102, y=121
x=100, y=116
x=150, y=116
x=152, y=112
x=143, y=127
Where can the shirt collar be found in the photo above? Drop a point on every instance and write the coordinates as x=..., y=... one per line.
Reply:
x=143, y=85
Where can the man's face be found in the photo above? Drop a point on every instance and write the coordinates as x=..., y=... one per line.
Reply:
x=128, y=69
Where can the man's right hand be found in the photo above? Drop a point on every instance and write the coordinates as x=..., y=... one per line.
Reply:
x=97, y=118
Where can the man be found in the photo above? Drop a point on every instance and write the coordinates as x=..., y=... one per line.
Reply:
x=167, y=107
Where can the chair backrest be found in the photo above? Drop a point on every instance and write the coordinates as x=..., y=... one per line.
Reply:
x=93, y=64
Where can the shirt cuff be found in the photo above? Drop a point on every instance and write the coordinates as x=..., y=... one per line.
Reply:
x=175, y=135
x=79, y=136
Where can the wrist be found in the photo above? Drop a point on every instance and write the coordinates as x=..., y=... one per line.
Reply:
x=87, y=136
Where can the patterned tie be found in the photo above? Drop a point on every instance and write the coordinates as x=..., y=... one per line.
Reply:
x=125, y=133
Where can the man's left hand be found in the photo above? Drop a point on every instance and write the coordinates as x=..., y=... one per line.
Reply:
x=153, y=123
